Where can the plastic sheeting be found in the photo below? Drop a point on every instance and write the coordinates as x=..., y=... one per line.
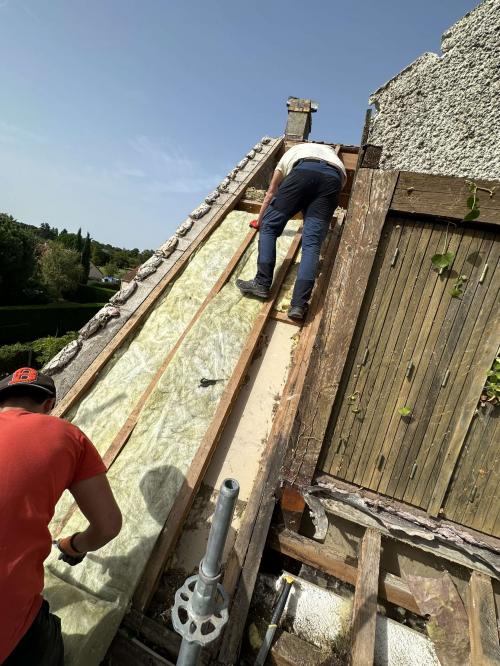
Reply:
x=92, y=598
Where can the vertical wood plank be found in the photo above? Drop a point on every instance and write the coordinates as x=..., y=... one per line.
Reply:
x=364, y=614
x=368, y=208
x=485, y=650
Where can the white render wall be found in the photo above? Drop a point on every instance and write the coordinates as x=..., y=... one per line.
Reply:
x=441, y=114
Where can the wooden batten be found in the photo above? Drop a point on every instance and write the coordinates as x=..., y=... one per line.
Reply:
x=483, y=628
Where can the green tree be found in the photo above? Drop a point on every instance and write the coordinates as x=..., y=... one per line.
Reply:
x=99, y=256
x=17, y=258
x=86, y=258
x=47, y=232
x=60, y=269
x=110, y=269
x=79, y=241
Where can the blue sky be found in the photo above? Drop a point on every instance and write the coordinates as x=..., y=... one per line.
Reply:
x=119, y=116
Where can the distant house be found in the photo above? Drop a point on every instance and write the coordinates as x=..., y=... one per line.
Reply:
x=95, y=273
x=129, y=276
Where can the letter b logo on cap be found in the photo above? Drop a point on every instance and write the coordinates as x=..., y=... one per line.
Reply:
x=24, y=376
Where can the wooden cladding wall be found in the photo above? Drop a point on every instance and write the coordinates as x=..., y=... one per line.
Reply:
x=418, y=347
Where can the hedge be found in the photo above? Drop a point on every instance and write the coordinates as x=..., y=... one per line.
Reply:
x=87, y=293
x=21, y=323
x=34, y=354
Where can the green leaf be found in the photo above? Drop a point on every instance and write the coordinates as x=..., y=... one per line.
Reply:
x=442, y=260
x=471, y=202
x=456, y=292
x=472, y=186
x=404, y=411
x=472, y=214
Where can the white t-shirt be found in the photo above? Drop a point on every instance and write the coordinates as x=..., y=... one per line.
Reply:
x=317, y=151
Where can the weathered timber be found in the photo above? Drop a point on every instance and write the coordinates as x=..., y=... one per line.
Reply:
x=438, y=598
x=125, y=651
x=365, y=219
x=472, y=550
x=136, y=319
x=481, y=363
x=377, y=376
x=290, y=650
x=323, y=557
x=243, y=564
x=483, y=630
x=445, y=196
x=364, y=612
x=154, y=632
x=173, y=525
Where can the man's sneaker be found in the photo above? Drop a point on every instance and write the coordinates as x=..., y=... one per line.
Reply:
x=252, y=288
x=297, y=312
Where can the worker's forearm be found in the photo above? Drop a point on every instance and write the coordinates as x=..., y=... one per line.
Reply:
x=92, y=539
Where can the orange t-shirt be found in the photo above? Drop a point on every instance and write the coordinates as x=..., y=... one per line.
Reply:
x=40, y=456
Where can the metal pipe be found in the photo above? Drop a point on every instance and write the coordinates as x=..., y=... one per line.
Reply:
x=275, y=618
x=199, y=614
x=220, y=526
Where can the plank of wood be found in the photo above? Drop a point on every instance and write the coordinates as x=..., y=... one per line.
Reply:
x=447, y=626
x=290, y=650
x=444, y=196
x=477, y=559
x=323, y=557
x=125, y=651
x=353, y=392
x=483, y=630
x=250, y=206
x=432, y=400
x=89, y=376
x=173, y=525
x=480, y=365
x=380, y=380
x=403, y=390
x=365, y=219
x=398, y=297
x=155, y=633
x=364, y=612
x=242, y=567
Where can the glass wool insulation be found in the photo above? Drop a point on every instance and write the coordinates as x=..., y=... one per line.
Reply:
x=92, y=598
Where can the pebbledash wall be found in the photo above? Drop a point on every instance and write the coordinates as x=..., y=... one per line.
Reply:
x=441, y=114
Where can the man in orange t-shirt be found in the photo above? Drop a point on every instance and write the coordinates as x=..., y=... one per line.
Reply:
x=40, y=457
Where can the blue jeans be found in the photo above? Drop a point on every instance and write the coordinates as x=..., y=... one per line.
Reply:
x=313, y=188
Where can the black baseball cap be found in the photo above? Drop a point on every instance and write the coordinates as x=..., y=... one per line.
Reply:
x=28, y=377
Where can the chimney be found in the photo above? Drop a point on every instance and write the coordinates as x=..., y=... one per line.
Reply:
x=298, y=126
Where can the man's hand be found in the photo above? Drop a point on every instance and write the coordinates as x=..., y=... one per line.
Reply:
x=68, y=553
x=255, y=224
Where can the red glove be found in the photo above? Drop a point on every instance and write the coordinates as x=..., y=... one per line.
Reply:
x=68, y=553
x=254, y=224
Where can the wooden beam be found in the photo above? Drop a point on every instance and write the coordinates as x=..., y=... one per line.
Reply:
x=445, y=196
x=346, y=505
x=483, y=629
x=323, y=557
x=243, y=564
x=89, y=376
x=155, y=633
x=365, y=219
x=173, y=525
x=364, y=616
x=125, y=651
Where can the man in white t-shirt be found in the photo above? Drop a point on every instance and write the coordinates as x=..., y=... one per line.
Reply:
x=307, y=178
